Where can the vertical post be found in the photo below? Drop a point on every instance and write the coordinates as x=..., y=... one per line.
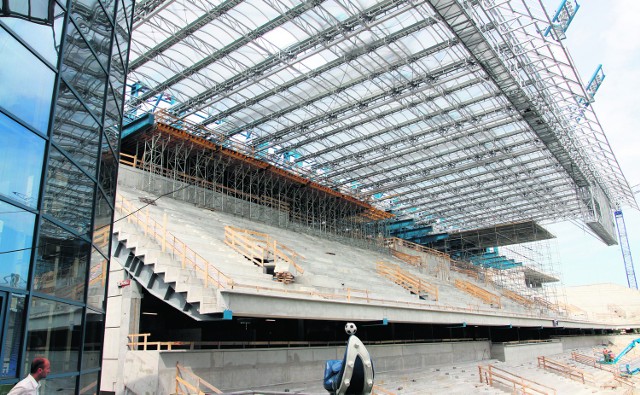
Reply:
x=184, y=255
x=177, y=375
x=146, y=222
x=206, y=274
x=144, y=341
x=164, y=232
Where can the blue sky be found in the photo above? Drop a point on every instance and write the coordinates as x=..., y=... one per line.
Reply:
x=607, y=33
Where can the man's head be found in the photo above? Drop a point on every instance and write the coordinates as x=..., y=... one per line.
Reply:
x=40, y=368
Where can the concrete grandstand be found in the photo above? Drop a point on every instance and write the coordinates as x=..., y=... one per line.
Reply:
x=391, y=164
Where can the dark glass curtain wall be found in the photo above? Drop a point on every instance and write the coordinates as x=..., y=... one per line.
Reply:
x=62, y=80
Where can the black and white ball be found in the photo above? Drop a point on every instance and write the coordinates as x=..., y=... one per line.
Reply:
x=350, y=328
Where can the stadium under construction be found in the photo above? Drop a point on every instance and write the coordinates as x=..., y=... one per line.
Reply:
x=289, y=166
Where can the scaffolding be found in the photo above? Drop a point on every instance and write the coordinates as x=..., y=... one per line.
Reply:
x=519, y=257
x=211, y=176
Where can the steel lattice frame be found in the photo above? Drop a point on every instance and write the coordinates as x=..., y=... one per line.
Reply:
x=461, y=114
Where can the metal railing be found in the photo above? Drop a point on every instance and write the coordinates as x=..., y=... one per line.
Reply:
x=491, y=375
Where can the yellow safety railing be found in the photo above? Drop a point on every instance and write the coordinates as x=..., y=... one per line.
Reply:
x=406, y=280
x=479, y=293
x=517, y=298
x=259, y=246
x=182, y=383
x=492, y=375
x=395, y=242
x=172, y=245
x=407, y=258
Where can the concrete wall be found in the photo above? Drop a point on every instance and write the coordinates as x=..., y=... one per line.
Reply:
x=243, y=369
x=524, y=352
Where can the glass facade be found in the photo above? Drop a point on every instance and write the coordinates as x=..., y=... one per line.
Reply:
x=62, y=81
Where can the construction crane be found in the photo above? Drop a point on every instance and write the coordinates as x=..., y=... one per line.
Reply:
x=626, y=250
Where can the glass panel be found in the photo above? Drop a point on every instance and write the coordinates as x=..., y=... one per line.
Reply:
x=96, y=27
x=82, y=70
x=94, y=337
x=55, y=331
x=89, y=384
x=123, y=21
x=108, y=173
x=12, y=343
x=68, y=193
x=27, y=84
x=16, y=235
x=22, y=152
x=97, y=280
x=108, y=6
x=112, y=120
x=117, y=61
x=102, y=224
x=40, y=9
x=61, y=266
x=59, y=385
x=43, y=38
x=19, y=7
x=76, y=131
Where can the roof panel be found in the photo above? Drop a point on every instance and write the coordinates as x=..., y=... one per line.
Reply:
x=450, y=109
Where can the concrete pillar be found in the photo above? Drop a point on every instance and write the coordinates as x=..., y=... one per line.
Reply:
x=123, y=318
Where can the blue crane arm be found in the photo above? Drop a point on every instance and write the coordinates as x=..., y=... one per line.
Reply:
x=626, y=350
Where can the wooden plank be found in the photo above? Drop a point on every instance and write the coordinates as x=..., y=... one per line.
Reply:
x=482, y=294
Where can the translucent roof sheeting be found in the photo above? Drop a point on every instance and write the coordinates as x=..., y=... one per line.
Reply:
x=458, y=113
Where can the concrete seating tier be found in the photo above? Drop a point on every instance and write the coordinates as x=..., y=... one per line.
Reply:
x=332, y=270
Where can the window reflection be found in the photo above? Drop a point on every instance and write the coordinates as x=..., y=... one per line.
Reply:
x=112, y=120
x=27, y=84
x=16, y=235
x=22, y=153
x=45, y=39
x=94, y=337
x=75, y=130
x=61, y=263
x=97, y=280
x=54, y=332
x=108, y=172
x=59, y=385
x=89, y=16
x=89, y=384
x=102, y=224
x=11, y=346
x=39, y=11
x=68, y=193
x=82, y=70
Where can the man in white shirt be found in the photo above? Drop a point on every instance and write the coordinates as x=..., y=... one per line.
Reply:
x=40, y=368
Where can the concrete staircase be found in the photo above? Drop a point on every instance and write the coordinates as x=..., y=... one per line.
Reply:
x=163, y=275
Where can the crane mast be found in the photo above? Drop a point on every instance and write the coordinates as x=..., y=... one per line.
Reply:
x=626, y=250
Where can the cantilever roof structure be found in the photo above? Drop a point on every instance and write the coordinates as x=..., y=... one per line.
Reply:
x=458, y=113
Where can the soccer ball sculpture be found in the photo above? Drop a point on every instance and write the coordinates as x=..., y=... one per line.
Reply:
x=350, y=328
